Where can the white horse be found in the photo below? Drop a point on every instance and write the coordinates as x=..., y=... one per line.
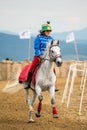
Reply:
x=45, y=79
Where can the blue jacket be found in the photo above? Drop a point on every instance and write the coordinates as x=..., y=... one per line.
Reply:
x=40, y=44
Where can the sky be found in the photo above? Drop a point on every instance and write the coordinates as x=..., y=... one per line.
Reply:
x=64, y=15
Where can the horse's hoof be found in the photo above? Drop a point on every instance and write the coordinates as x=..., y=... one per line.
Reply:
x=37, y=114
x=55, y=116
x=31, y=121
x=56, y=89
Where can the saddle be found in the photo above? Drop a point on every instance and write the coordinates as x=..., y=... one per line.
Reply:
x=24, y=73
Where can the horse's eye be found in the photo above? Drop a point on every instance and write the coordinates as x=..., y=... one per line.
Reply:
x=52, y=51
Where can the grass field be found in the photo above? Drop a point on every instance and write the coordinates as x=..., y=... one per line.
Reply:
x=14, y=111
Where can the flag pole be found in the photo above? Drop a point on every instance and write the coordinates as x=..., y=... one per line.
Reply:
x=76, y=50
x=29, y=49
x=26, y=35
x=71, y=38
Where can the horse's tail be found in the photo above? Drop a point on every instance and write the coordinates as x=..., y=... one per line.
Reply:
x=12, y=87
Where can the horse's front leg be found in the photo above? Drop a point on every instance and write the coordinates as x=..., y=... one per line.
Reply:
x=33, y=97
x=29, y=105
x=52, y=96
x=40, y=97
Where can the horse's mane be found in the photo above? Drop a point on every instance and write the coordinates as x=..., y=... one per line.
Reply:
x=49, y=44
x=53, y=42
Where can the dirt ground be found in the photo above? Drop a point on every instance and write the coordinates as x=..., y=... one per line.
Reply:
x=14, y=111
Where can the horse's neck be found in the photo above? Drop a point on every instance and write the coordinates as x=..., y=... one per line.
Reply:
x=47, y=65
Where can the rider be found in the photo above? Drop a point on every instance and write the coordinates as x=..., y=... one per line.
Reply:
x=40, y=46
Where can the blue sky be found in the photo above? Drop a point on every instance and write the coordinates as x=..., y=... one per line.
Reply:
x=64, y=15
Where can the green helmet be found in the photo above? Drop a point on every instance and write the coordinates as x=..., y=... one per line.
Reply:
x=46, y=27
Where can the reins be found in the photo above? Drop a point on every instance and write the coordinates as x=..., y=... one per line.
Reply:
x=50, y=55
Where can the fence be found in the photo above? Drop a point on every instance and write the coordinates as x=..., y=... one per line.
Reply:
x=9, y=70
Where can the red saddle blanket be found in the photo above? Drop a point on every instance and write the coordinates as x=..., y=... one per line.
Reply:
x=24, y=73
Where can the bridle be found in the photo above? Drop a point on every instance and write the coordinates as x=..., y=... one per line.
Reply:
x=52, y=56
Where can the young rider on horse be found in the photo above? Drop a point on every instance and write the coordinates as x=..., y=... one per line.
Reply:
x=40, y=44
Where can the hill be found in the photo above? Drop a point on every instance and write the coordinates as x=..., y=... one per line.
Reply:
x=79, y=35
x=11, y=46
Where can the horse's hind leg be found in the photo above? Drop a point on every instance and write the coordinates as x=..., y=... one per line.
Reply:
x=29, y=105
x=40, y=97
x=52, y=93
x=33, y=98
x=38, y=113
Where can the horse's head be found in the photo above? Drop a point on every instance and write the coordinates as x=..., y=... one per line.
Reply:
x=55, y=53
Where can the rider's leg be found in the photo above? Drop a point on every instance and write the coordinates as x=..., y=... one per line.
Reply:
x=36, y=60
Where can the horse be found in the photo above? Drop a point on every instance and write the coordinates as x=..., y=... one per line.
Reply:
x=45, y=80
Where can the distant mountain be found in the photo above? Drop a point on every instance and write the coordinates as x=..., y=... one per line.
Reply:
x=12, y=47
x=79, y=35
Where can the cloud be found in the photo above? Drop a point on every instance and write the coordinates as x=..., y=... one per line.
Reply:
x=21, y=14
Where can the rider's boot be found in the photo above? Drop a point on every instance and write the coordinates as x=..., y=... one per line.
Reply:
x=28, y=82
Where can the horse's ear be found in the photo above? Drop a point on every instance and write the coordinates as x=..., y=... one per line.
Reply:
x=52, y=42
x=58, y=42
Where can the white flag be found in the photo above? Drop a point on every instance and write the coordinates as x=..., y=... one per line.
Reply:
x=70, y=37
x=25, y=35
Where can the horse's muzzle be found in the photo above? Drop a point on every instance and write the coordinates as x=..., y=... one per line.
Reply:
x=58, y=62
